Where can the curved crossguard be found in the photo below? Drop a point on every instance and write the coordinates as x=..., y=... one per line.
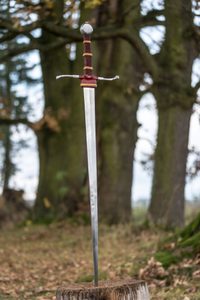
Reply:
x=79, y=76
x=88, y=79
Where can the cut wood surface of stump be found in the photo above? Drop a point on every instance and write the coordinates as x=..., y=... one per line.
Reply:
x=119, y=290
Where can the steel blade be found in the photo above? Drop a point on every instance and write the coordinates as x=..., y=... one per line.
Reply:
x=90, y=124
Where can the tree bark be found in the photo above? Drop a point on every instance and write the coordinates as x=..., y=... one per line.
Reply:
x=7, y=163
x=124, y=289
x=175, y=98
x=61, y=138
x=167, y=205
x=117, y=106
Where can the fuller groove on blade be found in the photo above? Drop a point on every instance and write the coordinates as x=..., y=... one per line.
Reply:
x=89, y=104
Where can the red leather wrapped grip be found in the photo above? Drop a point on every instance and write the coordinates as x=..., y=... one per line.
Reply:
x=88, y=79
x=87, y=55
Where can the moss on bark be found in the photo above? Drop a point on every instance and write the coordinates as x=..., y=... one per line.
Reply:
x=61, y=138
x=117, y=105
x=174, y=96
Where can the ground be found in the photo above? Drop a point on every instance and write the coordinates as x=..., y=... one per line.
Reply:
x=35, y=260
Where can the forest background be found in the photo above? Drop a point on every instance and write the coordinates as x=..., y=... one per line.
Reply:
x=31, y=98
x=154, y=47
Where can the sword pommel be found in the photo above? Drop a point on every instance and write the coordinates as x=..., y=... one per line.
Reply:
x=88, y=79
x=86, y=28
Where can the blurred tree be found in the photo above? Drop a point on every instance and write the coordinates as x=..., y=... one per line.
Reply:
x=117, y=106
x=6, y=95
x=61, y=136
x=15, y=74
x=14, y=105
x=175, y=97
x=60, y=132
x=57, y=167
x=8, y=168
x=170, y=70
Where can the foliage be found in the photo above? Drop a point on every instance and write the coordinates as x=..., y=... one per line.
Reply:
x=91, y=4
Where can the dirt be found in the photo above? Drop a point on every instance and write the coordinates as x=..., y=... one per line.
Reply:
x=36, y=260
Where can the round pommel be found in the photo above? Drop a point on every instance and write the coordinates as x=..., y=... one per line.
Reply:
x=86, y=28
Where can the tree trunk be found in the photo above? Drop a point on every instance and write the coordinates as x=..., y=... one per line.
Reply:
x=167, y=204
x=117, y=106
x=7, y=163
x=117, y=139
x=61, y=136
x=175, y=98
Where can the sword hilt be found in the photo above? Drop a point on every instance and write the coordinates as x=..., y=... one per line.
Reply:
x=88, y=79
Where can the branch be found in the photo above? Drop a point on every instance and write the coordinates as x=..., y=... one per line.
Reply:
x=18, y=28
x=8, y=36
x=30, y=47
x=150, y=19
x=9, y=122
x=143, y=51
x=46, y=122
x=129, y=9
x=197, y=38
x=17, y=51
x=73, y=35
x=197, y=86
x=13, y=30
x=108, y=33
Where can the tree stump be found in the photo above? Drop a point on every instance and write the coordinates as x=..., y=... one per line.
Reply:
x=119, y=290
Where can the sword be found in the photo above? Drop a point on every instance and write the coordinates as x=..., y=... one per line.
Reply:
x=89, y=83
